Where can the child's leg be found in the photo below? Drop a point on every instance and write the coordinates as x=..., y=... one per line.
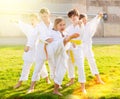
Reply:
x=25, y=72
x=31, y=89
x=36, y=74
x=79, y=57
x=52, y=67
x=56, y=88
x=60, y=70
x=90, y=57
x=92, y=64
x=18, y=84
x=70, y=72
x=44, y=74
x=60, y=87
x=45, y=49
x=70, y=82
x=83, y=90
x=48, y=80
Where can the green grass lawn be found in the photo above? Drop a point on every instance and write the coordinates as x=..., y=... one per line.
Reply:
x=108, y=61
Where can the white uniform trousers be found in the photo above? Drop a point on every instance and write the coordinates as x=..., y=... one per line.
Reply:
x=39, y=61
x=26, y=69
x=79, y=62
x=88, y=53
x=28, y=58
x=57, y=60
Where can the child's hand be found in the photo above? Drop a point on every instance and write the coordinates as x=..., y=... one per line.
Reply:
x=74, y=45
x=100, y=14
x=49, y=40
x=26, y=49
x=76, y=35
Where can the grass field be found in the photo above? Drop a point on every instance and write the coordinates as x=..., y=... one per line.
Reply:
x=108, y=61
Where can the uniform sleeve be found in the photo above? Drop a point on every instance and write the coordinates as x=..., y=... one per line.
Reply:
x=30, y=42
x=26, y=28
x=32, y=39
x=92, y=26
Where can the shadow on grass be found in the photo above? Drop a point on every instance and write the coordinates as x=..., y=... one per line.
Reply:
x=46, y=93
x=39, y=94
x=8, y=91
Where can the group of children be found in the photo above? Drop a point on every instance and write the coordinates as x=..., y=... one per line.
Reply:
x=62, y=47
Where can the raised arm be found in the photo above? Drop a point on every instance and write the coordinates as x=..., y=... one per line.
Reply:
x=26, y=28
x=92, y=25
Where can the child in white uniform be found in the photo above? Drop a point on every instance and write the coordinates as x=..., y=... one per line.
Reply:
x=43, y=31
x=76, y=52
x=58, y=46
x=90, y=29
x=29, y=49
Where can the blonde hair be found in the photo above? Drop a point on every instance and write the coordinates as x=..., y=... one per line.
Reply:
x=57, y=21
x=44, y=10
x=34, y=15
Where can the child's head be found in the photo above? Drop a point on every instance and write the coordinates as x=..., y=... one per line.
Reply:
x=45, y=14
x=33, y=18
x=83, y=17
x=73, y=15
x=59, y=24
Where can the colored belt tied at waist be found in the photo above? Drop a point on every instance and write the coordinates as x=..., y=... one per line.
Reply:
x=77, y=42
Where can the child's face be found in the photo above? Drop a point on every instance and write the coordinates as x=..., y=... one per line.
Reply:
x=61, y=26
x=33, y=20
x=74, y=19
x=84, y=20
x=45, y=16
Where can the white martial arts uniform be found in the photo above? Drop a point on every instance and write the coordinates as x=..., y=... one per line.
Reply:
x=58, y=57
x=43, y=33
x=56, y=53
x=90, y=29
x=77, y=53
x=29, y=56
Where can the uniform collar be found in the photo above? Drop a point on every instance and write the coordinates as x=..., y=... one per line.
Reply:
x=50, y=25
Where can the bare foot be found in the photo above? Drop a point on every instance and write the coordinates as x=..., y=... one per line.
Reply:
x=84, y=91
x=80, y=91
x=30, y=91
x=48, y=81
x=98, y=79
x=71, y=82
x=60, y=87
x=17, y=85
x=100, y=82
x=82, y=88
x=57, y=93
